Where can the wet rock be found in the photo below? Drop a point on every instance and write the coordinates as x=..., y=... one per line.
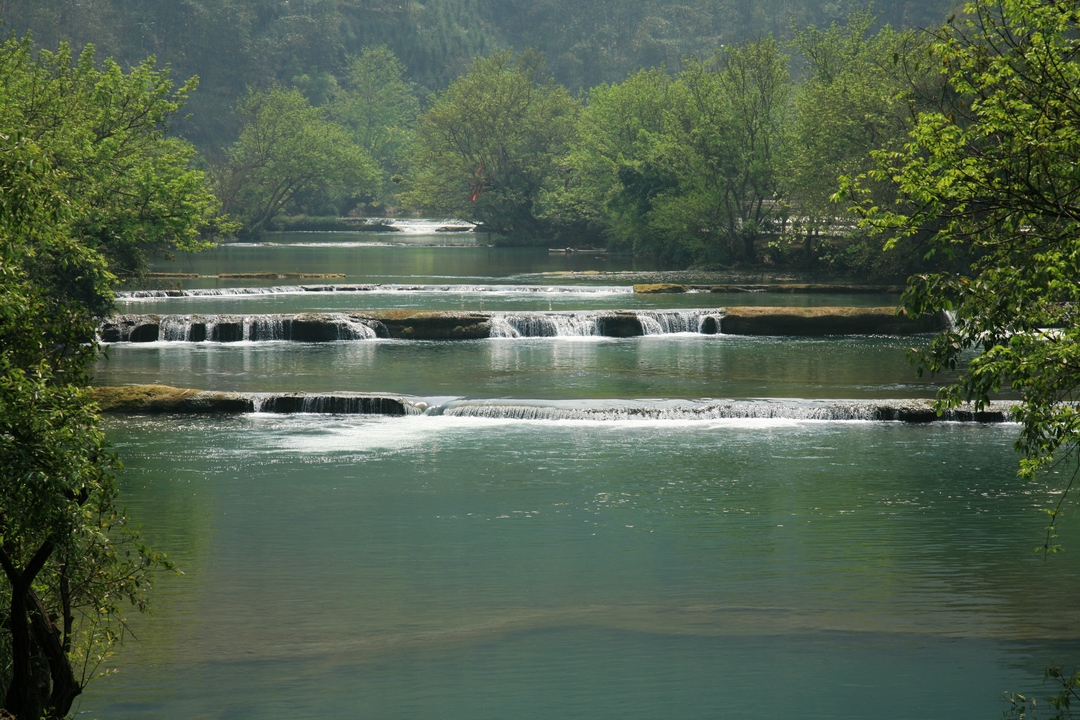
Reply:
x=620, y=325
x=227, y=330
x=338, y=404
x=130, y=328
x=422, y=325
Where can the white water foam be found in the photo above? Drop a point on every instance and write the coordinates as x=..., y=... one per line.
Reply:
x=591, y=324
x=696, y=410
x=518, y=325
x=656, y=322
x=396, y=435
x=252, y=328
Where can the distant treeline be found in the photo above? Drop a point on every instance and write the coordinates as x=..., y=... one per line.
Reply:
x=234, y=44
x=729, y=148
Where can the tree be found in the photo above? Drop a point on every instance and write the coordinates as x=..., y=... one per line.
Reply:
x=89, y=186
x=603, y=179
x=132, y=190
x=69, y=559
x=722, y=144
x=379, y=109
x=489, y=143
x=858, y=98
x=993, y=174
x=685, y=170
x=287, y=152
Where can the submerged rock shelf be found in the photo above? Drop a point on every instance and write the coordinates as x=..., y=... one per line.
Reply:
x=165, y=399
x=421, y=325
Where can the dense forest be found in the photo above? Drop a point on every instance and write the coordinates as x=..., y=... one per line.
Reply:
x=231, y=44
x=705, y=133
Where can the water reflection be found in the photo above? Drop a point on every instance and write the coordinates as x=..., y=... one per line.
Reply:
x=665, y=366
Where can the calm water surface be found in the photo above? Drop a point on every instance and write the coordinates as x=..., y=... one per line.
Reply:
x=369, y=257
x=453, y=567
x=679, y=366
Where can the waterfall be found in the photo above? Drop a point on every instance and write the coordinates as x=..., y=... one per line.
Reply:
x=605, y=323
x=351, y=329
x=513, y=325
x=666, y=322
x=264, y=327
x=306, y=327
x=175, y=328
x=334, y=404
x=239, y=291
x=878, y=411
x=329, y=327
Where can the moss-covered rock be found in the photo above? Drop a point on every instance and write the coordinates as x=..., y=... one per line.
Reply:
x=819, y=321
x=166, y=399
x=655, y=288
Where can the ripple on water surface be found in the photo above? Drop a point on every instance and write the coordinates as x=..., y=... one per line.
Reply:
x=462, y=567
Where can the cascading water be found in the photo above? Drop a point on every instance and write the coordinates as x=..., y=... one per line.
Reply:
x=687, y=321
x=884, y=410
x=175, y=328
x=608, y=324
x=351, y=329
x=310, y=327
x=334, y=404
x=264, y=327
x=514, y=325
x=327, y=327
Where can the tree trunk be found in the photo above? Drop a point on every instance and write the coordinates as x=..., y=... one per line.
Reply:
x=27, y=695
x=65, y=688
x=749, y=249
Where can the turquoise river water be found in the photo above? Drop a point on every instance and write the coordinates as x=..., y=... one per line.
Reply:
x=498, y=564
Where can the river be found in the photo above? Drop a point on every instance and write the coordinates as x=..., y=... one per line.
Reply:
x=536, y=545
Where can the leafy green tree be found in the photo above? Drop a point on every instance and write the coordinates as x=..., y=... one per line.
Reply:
x=723, y=146
x=287, y=152
x=603, y=178
x=993, y=174
x=89, y=186
x=378, y=106
x=685, y=170
x=70, y=560
x=489, y=143
x=132, y=189
x=859, y=97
